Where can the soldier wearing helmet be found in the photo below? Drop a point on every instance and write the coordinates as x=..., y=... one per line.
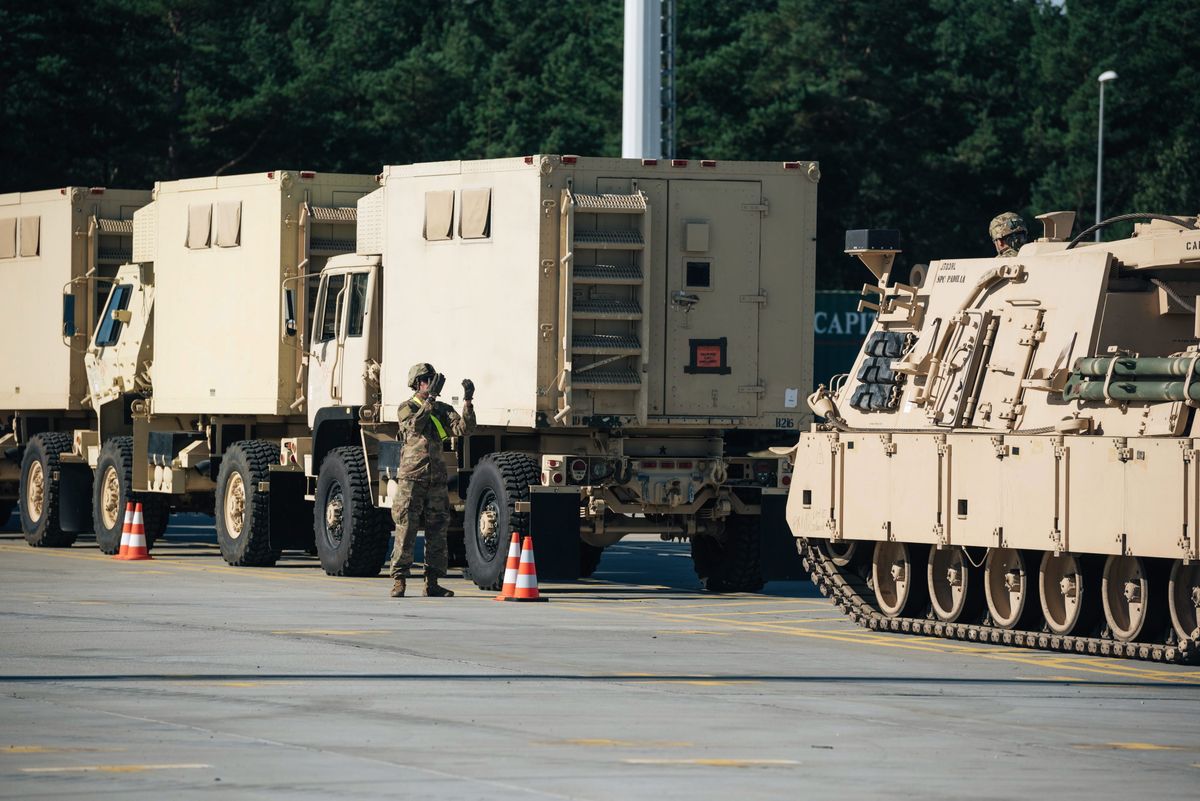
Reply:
x=421, y=495
x=1008, y=233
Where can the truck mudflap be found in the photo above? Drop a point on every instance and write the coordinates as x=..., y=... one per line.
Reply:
x=554, y=526
x=780, y=558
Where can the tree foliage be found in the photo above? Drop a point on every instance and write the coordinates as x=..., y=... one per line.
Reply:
x=927, y=116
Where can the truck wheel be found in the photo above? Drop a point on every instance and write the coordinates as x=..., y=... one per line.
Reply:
x=40, y=493
x=243, y=512
x=112, y=489
x=499, y=481
x=351, y=534
x=731, y=562
x=589, y=559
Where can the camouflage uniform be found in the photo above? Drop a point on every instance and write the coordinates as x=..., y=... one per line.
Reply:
x=421, y=493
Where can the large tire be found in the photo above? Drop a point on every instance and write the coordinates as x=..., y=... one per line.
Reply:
x=243, y=513
x=112, y=489
x=731, y=561
x=40, y=493
x=498, y=482
x=589, y=559
x=351, y=533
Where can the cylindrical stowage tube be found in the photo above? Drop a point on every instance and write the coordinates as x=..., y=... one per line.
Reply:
x=1136, y=367
x=1132, y=391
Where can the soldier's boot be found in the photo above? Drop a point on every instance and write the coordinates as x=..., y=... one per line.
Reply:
x=399, y=587
x=435, y=590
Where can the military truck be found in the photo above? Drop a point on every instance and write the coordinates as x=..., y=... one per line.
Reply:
x=624, y=322
x=1013, y=458
x=193, y=369
x=58, y=245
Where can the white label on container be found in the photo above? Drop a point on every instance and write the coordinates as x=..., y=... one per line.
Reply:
x=791, y=397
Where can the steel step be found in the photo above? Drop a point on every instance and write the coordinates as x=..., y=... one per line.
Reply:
x=610, y=204
x=606, y=344
x=616, y=239
x=606, y=310
x=626, y=275
x=607, y=379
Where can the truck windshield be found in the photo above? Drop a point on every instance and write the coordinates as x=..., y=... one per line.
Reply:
x=109, y=330
x=333, y=289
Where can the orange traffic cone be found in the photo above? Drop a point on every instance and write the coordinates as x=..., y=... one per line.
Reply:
x=511, y=569
x=527, y=589
x=126, y=527
x=137, y=538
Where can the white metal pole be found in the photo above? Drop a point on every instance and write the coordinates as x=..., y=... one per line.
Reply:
x=1103, y=78
x=641, y=123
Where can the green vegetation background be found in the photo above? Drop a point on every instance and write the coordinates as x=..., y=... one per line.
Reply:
x=927, y=116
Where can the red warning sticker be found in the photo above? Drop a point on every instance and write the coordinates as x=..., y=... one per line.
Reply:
x=708, y=356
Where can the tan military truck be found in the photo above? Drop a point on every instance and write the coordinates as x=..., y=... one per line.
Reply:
x=194, y=366
x=58, y=245
x=1014, y=457
x=625, y=323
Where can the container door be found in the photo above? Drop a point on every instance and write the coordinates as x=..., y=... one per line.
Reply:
x=713, y=299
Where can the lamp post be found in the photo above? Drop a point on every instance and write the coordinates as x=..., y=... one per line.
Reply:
x=1103, y=78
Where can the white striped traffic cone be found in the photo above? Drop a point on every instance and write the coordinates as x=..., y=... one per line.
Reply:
x=527, y=588
x=126, y=527
x=137, y=538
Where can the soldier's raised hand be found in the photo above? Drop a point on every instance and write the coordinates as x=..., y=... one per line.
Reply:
x=468, y=389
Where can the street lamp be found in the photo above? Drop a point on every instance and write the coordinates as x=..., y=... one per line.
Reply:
x=1103, y=78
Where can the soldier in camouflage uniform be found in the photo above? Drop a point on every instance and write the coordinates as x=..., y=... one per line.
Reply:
x=421, y=494
x=1008, y=233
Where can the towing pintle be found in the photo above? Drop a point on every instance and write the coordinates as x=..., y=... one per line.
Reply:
x=876, y=248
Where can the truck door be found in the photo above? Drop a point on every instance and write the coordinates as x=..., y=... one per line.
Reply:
x=713, y=298
x=343, y=339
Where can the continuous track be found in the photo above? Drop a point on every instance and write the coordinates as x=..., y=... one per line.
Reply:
x=851, y=594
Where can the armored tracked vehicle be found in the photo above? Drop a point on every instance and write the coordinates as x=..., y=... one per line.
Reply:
x=56, y=246
x=623, y=321
x=1015, y=457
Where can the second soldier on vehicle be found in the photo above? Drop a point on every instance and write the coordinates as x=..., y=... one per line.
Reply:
x=1008, y=233
x=421, y=494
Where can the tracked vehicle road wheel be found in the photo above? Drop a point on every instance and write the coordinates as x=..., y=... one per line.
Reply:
x=1183, y=592
x=955, y=586
x=1133, y=606
x=242, y=511
x=844, y=553
x=112, y=489
x=40, y=493
x=1070, y=593
x=1010, y=589
x=897, y=575
x=498, y=482
x=351, y=533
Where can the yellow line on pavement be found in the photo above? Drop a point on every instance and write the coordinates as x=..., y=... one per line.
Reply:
x=926, y=644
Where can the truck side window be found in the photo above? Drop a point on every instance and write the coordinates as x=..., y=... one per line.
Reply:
x=333, y=288
x=357, y=304
x=109, y=330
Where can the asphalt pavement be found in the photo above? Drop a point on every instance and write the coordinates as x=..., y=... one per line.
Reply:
x=183, y=677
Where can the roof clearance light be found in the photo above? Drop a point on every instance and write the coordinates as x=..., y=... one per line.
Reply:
x=97, y=190
x=570, y=159
x=529, y=159
x=678, y=162
x=307, y=174
x=649, y=162
x=271, y=175
x=791, y=165
x=708, y=162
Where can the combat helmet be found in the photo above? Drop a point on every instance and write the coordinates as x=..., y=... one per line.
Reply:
x=1007, y=223
x=419, y=371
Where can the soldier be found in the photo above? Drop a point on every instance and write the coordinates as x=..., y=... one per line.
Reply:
x=1008, y=233
x=421, y=494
